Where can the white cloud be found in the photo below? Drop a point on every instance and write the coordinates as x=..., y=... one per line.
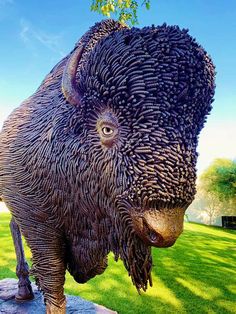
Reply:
x=24, y=32
x=29, y=35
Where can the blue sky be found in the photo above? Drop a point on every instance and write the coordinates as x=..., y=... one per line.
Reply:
x=35, y=35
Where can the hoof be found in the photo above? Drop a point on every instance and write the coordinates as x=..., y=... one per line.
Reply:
x=24, y=293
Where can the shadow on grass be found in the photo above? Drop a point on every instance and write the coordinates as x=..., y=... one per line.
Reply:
x=197, y=275
x=200, y=268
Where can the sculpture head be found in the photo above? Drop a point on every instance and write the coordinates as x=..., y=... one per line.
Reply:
x=142, y=96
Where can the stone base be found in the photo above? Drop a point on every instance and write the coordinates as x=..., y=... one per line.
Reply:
x=75, y=305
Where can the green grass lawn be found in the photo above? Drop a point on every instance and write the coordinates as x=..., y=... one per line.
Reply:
x=196, y=275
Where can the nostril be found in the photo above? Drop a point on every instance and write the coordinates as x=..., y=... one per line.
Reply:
x=152, y=236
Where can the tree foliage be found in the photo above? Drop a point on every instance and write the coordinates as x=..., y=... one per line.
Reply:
x=206, y=207
x=216, y=193
x=126, y=10
x=220, y=178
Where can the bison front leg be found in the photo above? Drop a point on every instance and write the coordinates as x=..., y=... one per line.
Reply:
x=49, y=265
x=22, y=269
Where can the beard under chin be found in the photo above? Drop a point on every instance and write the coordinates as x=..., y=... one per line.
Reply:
x=134, y=253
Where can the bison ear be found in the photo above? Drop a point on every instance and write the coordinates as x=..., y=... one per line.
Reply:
x=79, y=55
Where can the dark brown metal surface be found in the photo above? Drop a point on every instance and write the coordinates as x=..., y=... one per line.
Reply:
x=102, y=157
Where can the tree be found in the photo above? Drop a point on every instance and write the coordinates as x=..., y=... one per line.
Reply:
x=205, y=208
x=219, y=179
x=125, y=9
x=216, y=192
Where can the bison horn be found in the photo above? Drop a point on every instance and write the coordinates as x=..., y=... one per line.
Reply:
x=69, y=77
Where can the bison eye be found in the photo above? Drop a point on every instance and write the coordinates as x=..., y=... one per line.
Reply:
x=107, y=131
x=107, y=128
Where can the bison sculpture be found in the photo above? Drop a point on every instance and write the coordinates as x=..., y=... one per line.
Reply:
x=102, y=157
